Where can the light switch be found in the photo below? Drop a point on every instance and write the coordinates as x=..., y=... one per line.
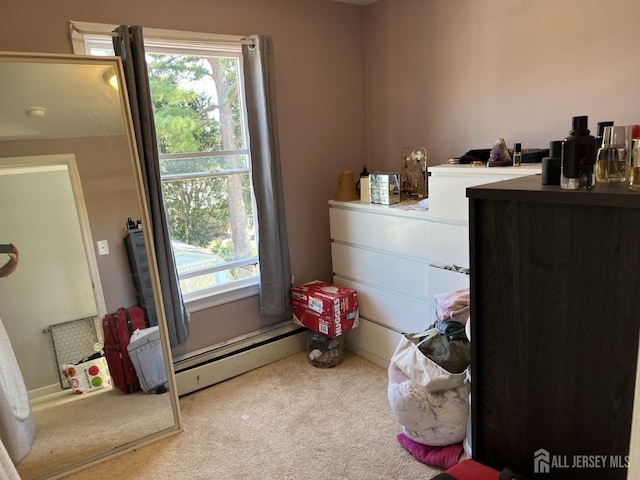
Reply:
x=103, y=247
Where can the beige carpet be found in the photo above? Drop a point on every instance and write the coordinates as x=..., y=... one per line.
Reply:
x=288, y=420
x=71, y=425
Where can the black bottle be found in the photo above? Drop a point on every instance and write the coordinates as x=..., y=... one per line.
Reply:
x=578, y=157
x=551, y=164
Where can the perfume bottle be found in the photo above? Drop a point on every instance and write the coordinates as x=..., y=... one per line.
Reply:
x=634, y=166
x=601, y=127
x=517, y=155
x=633, y=134
x=578, y=157
x=612, y=159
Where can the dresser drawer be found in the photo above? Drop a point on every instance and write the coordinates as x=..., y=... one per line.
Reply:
x=383, y=271
x=444, y=281
x=448, y=244
x=448, y=187
x=395, y=234
x=373, y=342
x=398, y=312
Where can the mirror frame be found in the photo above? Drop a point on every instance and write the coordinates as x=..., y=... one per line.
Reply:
x=116, y=64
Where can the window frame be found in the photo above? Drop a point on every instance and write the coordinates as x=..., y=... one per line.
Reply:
x=191, y=43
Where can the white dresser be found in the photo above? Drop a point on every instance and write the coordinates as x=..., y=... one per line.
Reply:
x=397, y=259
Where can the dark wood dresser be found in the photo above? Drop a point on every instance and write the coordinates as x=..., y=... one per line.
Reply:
x=555, y=316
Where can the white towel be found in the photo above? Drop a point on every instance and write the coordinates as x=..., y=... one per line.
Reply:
x=7, y=468
x=17, y=427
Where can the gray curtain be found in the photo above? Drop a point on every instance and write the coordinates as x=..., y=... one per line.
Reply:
x=130, y=47
x=273, y=244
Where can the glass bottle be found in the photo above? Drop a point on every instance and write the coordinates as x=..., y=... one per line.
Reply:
x=612, y=159
x=578, y=157
x=324, y=351
x=517, y=154
x=634, y=166
x=601, y=127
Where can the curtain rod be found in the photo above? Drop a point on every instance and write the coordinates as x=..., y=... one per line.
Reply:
x=82, y=31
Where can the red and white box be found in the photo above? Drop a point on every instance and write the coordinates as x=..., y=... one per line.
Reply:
x=325, y=308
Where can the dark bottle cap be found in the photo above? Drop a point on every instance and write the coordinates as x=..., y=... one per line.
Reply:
x=580, y=124
x=517, y=147
x=555, y=149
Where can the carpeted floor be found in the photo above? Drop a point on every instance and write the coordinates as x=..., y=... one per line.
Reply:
x=71, y=428
x=287, y=420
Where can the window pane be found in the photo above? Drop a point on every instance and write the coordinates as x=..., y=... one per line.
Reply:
x=196, y=103
x=203, y=282
x=203, y=165
x=214, y=214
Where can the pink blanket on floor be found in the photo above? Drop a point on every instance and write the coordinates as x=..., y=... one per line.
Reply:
x=444, y=457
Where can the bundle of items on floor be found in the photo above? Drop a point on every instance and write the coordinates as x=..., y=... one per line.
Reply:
x=327, y=311
x=133, y=352
x=428, y=384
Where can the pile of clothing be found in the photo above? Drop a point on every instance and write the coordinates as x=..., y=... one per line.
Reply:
x=429, y=384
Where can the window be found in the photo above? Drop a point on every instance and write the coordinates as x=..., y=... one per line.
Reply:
x=198, y=100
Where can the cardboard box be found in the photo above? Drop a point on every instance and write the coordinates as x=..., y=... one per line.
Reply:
x=325, y=308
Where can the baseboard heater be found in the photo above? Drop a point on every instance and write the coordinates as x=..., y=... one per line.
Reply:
x=220, y=364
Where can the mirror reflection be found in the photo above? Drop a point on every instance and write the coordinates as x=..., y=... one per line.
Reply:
x=68, y=187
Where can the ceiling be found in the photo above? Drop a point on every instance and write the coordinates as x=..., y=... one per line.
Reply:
x=77, y=100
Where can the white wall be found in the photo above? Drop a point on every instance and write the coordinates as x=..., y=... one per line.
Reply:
x=52, y=283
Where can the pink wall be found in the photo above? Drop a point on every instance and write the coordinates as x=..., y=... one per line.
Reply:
x=355, y=84
x=456, y=75
x=319, y=51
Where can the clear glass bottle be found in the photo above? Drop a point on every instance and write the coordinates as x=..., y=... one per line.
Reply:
x=324, y=351
x=578, y=157
x=612, y=159
x=600, y=132
x=634, y=166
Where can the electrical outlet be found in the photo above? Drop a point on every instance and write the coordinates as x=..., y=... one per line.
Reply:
x=103, y=247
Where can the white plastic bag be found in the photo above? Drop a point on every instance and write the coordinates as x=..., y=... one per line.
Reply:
x=430, y=403
x=88, y=376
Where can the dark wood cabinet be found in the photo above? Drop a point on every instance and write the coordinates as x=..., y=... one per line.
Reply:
x=555, y=316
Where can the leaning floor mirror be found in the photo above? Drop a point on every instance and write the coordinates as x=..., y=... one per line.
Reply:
x=71, y=197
